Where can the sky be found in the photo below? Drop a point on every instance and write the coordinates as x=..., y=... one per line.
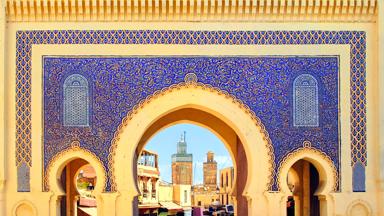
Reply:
x=199, y=142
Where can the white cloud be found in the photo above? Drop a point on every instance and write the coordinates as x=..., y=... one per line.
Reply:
x=223, y=161
x=198, y=165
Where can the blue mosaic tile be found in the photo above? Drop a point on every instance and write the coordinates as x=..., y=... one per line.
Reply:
x=358, y=178
x=265, y=84
x=25, y=40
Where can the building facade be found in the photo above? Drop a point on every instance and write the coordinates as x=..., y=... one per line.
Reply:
x=148, y=176
x=226, y=185
x=204, y=196
x=182, y=196
x=282, y=83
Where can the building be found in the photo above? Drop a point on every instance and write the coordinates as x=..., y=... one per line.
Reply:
x=165, y=192
x=148, y=175
x=204, y=196
x=210, y=171
x=227, y=176
x=182, y=164
x=207, y=193
x=293, y=87
x=182, y=195
x=166, y=199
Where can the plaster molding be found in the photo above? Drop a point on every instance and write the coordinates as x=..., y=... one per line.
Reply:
x=24, y=202
x=359, y=202
x=193, y=10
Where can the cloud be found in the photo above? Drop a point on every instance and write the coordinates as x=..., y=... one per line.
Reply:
x=198, y=165
x=223, y=161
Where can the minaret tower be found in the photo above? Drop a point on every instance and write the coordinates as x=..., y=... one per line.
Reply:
x=210, y=171
x=182, y=163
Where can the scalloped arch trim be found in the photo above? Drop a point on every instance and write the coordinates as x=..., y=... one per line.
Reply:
x=193, y=85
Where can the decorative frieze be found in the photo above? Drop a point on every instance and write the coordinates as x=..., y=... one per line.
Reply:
x=192, y=10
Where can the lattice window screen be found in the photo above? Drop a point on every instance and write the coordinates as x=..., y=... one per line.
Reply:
x=76, y=101
x=306, y=101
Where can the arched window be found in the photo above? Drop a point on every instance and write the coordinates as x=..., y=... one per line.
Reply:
x=76, y=101
x=305, y=101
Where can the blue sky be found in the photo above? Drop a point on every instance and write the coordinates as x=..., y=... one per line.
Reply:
x=199, y=142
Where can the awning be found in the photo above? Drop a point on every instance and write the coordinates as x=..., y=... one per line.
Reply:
x=148, y=206
x=171, y=206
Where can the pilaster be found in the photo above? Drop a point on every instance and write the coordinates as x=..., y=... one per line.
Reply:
x=277, y=204
x=2, y=107
x=380, y=25
x=108, y=204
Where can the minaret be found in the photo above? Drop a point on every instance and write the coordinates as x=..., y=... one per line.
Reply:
x=210, y=171
x=182, y=145
x=182, y=163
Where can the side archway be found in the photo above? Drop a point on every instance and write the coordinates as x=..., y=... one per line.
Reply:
x=231, y=111
x=56, y=166
x=326, y=177
x=323, y=163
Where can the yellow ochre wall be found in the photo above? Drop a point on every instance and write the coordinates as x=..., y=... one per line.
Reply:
x=37, y=202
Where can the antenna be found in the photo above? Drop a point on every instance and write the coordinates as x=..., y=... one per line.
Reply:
x=194, y=174
x=185, y=134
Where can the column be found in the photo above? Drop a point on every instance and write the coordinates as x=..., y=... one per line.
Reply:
x=106, y=204
x=126, y=203
x=277, y=204
x=2, y=107
x=297, y=205
x=380, y=25
x=306, y=189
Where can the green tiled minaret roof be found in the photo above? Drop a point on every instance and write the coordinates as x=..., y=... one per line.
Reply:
x=182, y=155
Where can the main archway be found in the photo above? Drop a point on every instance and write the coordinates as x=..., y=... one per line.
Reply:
x=250, y=131
x=221, y=130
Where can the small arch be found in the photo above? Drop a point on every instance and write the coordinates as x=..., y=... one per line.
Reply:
x=57, y=164
x=24, y=208
x=59, y=161
x=359, y=208
x=76, y=101
x=305, y=101
x=328, y=178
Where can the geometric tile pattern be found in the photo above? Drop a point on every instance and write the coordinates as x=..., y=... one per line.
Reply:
x=305, y=102
x=25, y=40
x=264, y=84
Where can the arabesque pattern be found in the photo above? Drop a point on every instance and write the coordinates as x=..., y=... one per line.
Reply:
x=25, y=40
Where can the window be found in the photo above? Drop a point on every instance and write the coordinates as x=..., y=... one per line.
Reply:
x=222, y=180
x=76, y=101
x=305, y=101
x=185, y=196
x=226, y=179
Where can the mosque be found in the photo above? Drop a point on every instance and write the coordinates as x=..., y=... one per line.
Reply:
x=291, y=87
